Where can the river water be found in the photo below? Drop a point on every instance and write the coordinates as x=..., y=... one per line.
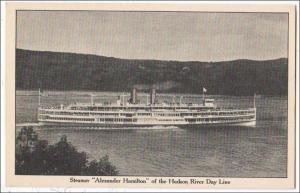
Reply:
x=259, y=151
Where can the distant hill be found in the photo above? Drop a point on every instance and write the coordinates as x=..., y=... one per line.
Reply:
x=69, y=71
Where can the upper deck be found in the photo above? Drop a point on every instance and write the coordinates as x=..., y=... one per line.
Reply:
x=134, y=106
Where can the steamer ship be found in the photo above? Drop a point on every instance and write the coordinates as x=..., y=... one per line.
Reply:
x=132, y=113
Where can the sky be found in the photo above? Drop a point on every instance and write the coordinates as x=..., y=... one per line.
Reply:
x=179, y=36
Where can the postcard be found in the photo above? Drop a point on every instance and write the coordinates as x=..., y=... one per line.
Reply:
x=150, y=95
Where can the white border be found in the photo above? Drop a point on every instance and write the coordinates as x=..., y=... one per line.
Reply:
x=23, y=189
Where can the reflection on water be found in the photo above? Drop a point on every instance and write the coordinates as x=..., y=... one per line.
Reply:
x=259, y=151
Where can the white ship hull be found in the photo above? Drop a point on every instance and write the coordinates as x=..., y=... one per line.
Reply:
x=248, y=123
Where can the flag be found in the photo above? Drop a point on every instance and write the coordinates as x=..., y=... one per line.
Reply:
x=204, y=89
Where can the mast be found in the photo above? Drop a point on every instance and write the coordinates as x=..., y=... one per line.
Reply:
x=254, y=102
x=39, y=97
x=92, y=99
x=39, y=105
x=203, y=94
x=180, y=100
x=174, y=102
x=147, y=99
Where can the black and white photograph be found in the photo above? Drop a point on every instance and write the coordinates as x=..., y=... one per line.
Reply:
x=126, y=93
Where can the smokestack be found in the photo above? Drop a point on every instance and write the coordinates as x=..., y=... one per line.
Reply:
x=133, y=97
x=152, y=96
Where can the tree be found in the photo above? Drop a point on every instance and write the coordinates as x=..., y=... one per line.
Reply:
x=101, y=168
x=61, y=158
